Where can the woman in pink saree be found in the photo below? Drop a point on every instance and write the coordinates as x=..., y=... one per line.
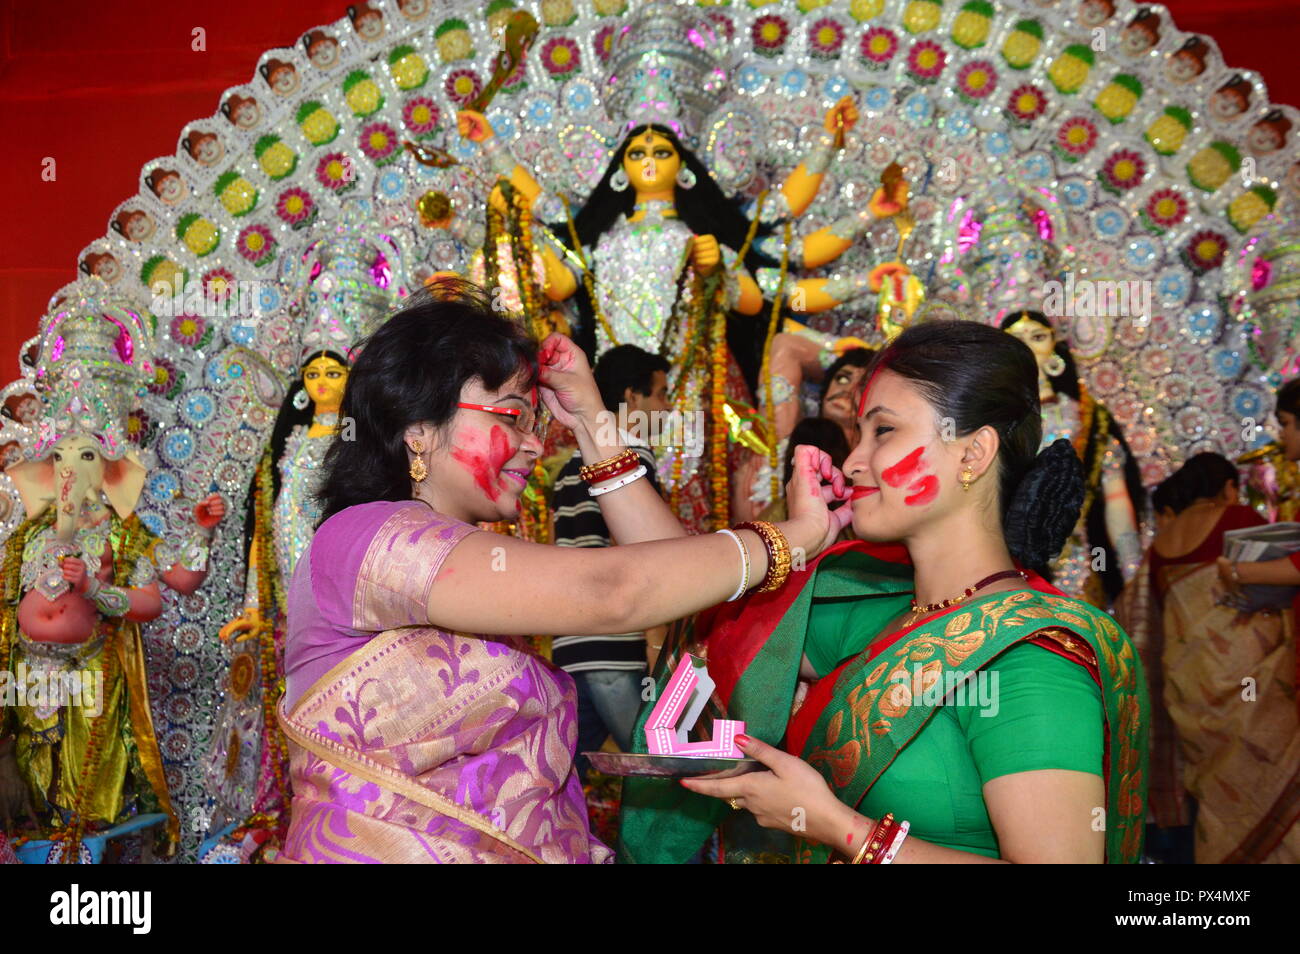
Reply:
x=412, y=736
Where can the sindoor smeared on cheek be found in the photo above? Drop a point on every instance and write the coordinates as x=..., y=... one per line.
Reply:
x=484, y=461
x=922, y=487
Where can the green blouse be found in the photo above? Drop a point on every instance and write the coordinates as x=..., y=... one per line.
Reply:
x=1043, y=712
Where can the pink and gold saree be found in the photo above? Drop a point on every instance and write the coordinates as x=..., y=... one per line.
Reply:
x=409, y=743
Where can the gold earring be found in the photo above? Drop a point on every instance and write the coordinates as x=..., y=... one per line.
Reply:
x=418, y=470
x=967, y=478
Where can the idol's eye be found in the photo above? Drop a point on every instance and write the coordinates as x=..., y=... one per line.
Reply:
x=635, y=153
x=663, y=153
x=87, y=455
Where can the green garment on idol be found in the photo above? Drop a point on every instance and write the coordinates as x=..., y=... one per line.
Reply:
x=924, y=761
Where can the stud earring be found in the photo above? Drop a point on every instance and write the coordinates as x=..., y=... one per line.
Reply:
x=619, y=180
x=967, y=477
x=418, y=469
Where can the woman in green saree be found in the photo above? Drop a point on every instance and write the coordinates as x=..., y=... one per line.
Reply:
x=951, y=685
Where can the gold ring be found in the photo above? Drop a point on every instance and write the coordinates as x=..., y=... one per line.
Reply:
x=734, y=803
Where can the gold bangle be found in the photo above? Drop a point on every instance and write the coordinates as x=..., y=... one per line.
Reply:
x=588, y=471
x=778, y=554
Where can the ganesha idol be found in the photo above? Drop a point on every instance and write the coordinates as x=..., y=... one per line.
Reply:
x=81, y=574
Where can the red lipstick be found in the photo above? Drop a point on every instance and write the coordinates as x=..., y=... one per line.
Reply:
x=859, y=492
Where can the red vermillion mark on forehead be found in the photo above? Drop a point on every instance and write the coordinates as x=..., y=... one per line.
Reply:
x=862, y=401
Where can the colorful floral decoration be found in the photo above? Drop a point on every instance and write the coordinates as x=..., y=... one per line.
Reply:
x=560, y=57
x=976, y=81
x=256, y=243
x=167, y=380
x=518, y=80
x=1214, y=165
x=825, y=39
x=1118, y=97
x=237, y=194
x=408, y=68
x=462, y=86
x=1075, y=138
x=199, y=235
x=971, y=26
x=453, y=40
x=769, y=34
x=296, y=207
x=921, y=16
x=1251, y=206
x=420, y=115
x=276, y=159
x=497, y=14
x=163, y=276
x=1123, y=170
x=380, y=143
x=362, y=94
x=1205, y=251
x=925, y=61
x=864, y=10
x=878, y=47
x=558, y=13
x=723, y=25
x=1069, y=71
x=190, y=330
x=1023, y=44
x=1025, y=104
x=336, y=172
x=218, y=285
x=317, y=123
x=603, y=42
x=137, y=427
x=1163, y=209
x=1169, y=130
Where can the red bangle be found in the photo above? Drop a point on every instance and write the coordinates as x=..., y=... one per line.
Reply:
x=621, y=463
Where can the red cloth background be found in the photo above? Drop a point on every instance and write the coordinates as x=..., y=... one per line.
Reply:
x=103, y=87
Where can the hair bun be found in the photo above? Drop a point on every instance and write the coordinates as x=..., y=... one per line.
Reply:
x=1045, y=506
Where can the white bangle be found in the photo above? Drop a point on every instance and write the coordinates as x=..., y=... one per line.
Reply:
x=744, y=566
x=621, y=482
x=897, y=843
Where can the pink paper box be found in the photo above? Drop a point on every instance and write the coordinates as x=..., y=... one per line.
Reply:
x=677, y=710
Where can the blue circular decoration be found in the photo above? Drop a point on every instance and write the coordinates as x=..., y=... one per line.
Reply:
x=1203, y=323
x=1247, y=402
x=1035, y=167
x=1173, y=287
x=268, y=298
x=154, y=523
x=751, y=79
x=958, y=124
x=794, y=81
x=463, y=149
x=877, y=97
x=1142, y=254
x=540, y=109
x=997, y=144
x=1075, y=193
x=1226, y=363
x=391, y=184
x=1108, y=222
x=918, y=109
x=163, y=486
x=1274, y=380
x=835, y=87
x=178, y=446
x=243, y=332
x=198, y=407
x=580, y=95
x=503, y=123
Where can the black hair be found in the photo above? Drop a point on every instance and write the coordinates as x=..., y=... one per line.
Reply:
x=852, y=358
x=289, y=417
x=1068, y=383
x=626, y=366
x=1202, y=477
x=820, y=432
x=704, y=208
x=1288, y=398
x=978, y=376
x=412, y=370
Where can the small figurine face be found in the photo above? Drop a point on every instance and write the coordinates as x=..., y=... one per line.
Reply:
x=1093, y=13
x=1188, y=63
x=103, y=266
x=167, y=185
x=324, y=378
x=322, y=50
x=1140, y=35
x=204, y=148
x=1230, y=101
x=243, y=111
x=367, y=22
x=23, y=408
x=280, y=76
x=1268, y=135
x=651, y=162
x=10, y=454
x=134, y=225
x=413, y=9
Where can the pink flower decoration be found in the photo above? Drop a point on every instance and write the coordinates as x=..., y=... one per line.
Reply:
x=421, y=115
x=165, y=375
x=722, y=24
x=379, y=141
x=926, y=60
x=604, y=42
x=335, y=172
x=1165, y=208
x=769, y=33
x=218, y=284
x=878, y=46
x=1076, y=137
x=295, y=205
x=1261, y=273
x=1026, y=103
x=462, y=86
x=188, y=329
x=825, y=37
x=255, y=243
x=1124, y=170
x=1205, y=250
x=560, y=56
x=977, y=80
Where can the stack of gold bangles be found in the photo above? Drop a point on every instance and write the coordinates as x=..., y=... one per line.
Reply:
x=778, y=553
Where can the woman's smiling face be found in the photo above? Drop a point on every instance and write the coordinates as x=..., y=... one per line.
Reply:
x=903, y=472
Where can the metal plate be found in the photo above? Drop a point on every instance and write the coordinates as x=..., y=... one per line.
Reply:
x=669, y=766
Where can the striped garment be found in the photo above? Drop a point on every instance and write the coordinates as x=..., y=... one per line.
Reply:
x=578, y=523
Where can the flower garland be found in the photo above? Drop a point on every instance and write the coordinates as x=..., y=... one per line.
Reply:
x=269, y=594
x=766, y=371
x=718, y=428
x=588, y=280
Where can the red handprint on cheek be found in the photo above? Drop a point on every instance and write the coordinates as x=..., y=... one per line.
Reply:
x=923, y=487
